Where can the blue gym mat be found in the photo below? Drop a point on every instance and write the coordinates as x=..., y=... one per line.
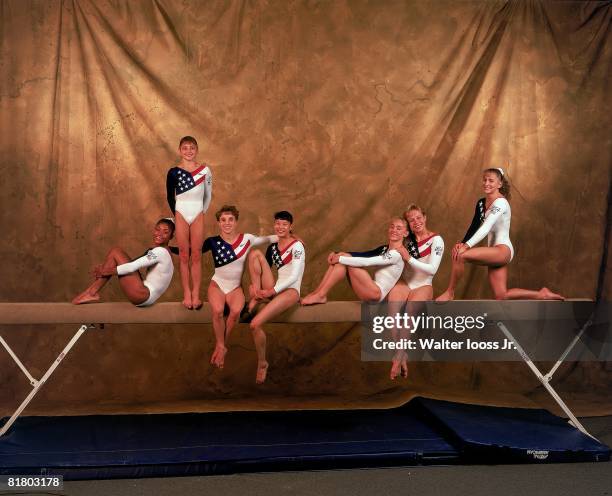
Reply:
x=487, y=434
x=420, y=432
x=210, y=443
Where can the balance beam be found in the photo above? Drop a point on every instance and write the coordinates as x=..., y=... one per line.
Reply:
x=174, y=313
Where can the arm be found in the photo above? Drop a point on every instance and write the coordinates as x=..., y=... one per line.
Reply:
x=437, y=250
x=171, y=191
x=497, y=209
x=207, y=190
x=264, y=240
x=148, y=259
x=388, y=258
x=297, y=266
x=475, y=223
x=371, y=253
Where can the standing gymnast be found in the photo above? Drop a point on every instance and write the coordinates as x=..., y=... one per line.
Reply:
x=422, y=252
x=189, y=191
x=229, y=251
x=156, y=260
x=492, y=219
x=387, y=257
x=289, y=257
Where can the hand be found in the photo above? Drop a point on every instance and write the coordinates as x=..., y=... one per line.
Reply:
x=334, y=258
x=458, y=249
x=404, y=253
x=99, y=272
x=261, y=294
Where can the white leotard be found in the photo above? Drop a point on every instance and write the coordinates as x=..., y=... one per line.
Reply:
x=496, y=225
x=420, y=271
x=159, y=272
x=391, y=267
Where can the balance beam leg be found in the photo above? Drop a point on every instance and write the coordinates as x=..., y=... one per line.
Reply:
x=38, y=384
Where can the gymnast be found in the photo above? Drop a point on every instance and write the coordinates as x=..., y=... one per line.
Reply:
x=229, y=251
x=422, y=252
x=289, y=257
x=386, y=257
x=492, y=219
x=156, y=260
x=189, y=191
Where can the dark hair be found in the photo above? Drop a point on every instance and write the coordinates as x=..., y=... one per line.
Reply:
x=227, y=208
x=505, y=187
x=284, y=215
x=169, y=223
x=188, y=139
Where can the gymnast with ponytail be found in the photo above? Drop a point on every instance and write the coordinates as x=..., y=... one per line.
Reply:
x=491, y=220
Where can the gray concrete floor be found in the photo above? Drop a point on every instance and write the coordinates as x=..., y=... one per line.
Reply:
x=578, y=479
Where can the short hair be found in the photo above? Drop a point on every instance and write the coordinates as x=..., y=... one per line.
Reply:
x=168, y=222
x=227, y=208
x=411, y=207
x=284, y=215
x=188, y=139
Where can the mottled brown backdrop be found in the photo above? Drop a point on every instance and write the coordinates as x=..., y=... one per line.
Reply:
x=342, y=112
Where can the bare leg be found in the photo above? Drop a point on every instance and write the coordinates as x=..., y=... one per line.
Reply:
x=235, y=302
x=415, y=303
x=363, y=285
x=131, y=284
x=498, y=277
x=493, y=256
x=279, y=304
x=216, y=297
x=397, y=300
x=196, y=238
x=261, y=275
x=182, y=239
x=333, y=275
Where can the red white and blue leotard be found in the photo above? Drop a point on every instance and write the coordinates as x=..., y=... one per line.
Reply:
x=189, y=193
x=425, y=259
x=493, y=223
x=229, y=258
x=290, y=263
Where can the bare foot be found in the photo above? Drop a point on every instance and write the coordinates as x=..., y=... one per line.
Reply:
x=404, y=366
x=313, y=299
x=85, y=297
x=262, y=371
x=187, y=301
x=218, y=356
x=446, y=296
x=197, y=304
x=547, y=294
x=395, y=369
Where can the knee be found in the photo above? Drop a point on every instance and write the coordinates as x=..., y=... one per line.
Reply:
x=217, y=313
x=255, y=255
x=196, y=256
x=115, y=250
x=254, y=325
x=184, y=255
x=233, y=315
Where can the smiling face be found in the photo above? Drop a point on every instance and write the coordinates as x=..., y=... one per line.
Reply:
x=188, y=151
x=417, y=221
x=282, y=228
x=491, y=182
x=227, y=223
x=397, y=230
x=162, y=234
